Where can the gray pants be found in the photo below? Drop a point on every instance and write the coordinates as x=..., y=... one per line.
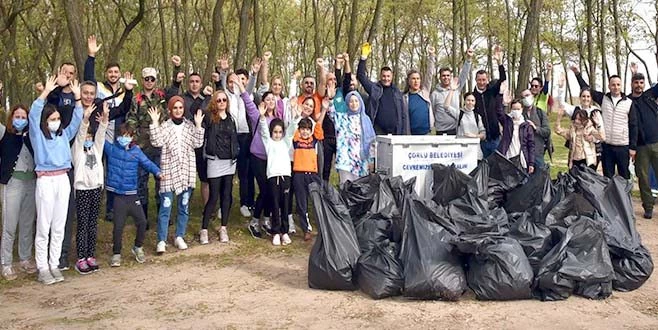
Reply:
x=18, y=211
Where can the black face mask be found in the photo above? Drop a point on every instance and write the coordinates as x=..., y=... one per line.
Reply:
x=177, y=121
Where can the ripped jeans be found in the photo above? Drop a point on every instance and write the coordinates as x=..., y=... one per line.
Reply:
x=166, y=204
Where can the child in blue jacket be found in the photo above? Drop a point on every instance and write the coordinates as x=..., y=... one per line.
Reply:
x=124, y=158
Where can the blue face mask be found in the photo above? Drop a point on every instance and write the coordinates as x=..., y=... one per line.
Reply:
x=19, y=123
x=124, y=141
x=89, y=144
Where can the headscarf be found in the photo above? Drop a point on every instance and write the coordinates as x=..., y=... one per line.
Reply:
x=173, y=100
x=367, y=131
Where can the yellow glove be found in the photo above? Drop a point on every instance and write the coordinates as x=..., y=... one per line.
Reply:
x=366, y=49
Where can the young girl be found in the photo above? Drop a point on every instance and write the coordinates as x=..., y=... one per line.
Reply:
x=581, y=137
x=88, y=181
x=469, y=123
x=178, y=137
x=277, y=148
x=221, y=152
x=518, y=136
x=17, y=186
x=124, y=158
x=355, y=136
x=52, y=156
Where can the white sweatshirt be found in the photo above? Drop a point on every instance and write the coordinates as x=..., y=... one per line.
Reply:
x=278, y=152
x=88, y=165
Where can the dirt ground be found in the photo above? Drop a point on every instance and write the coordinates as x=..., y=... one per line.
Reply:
x=222, y=286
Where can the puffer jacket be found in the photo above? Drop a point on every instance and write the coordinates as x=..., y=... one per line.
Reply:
x=122, y=168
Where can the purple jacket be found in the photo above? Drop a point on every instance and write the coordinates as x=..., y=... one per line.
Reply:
x=257, y=147
x=526, y=134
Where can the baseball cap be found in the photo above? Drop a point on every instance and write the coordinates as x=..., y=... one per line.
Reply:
x=149, y=72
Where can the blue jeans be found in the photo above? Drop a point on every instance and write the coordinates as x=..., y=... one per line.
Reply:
x=166, y=203
x=489, y=147
x=653, y=183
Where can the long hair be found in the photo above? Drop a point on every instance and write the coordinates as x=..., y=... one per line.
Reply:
x=213, y=108
x=283, y=84
x=10, y=117
x=268, y=112
x=48, y=110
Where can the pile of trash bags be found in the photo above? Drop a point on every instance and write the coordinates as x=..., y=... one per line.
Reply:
x=501, y=233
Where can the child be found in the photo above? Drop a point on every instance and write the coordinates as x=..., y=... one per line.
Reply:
x=178, y=137
x=518, y=135
x=277, y=147
x=87, y=153
x=17, y=184
x=124, y=158
x=221, y=152
x=581, y=137
x=305, y=163
x=52, y=157
x=355, y=136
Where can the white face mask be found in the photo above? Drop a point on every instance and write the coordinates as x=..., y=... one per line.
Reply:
x=528, y=100
x=516, y=114
x=53, y=126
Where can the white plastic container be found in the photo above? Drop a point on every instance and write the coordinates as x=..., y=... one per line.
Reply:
x=412, y=156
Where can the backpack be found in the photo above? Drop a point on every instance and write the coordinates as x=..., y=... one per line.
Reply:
x=461, y=114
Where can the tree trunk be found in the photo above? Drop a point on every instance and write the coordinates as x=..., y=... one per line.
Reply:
x=241, y=49
x=455, y=35
x=529, y=36
x=604, y=63
x=351, y=34
x=375, y=21
x=163, y=34
x=317, y=45
x=258, y=42
x=113, y=54
x=214, y=39
x=615, y=18
x=73, y=14
x=591, y=59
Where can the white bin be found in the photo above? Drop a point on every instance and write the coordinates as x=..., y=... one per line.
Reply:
x=412, y=155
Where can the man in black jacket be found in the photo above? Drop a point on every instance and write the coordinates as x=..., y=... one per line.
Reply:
x=643, y=139
x=485, y=103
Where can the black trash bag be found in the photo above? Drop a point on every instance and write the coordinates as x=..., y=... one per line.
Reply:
x=496, y=194
x=481, y=177
x=450, y=183
x=431, y=269
x=358, y=194
x=372, y=230
x=611, y=198
x=564, y=184
x=498, y=269
x=537, y=191
x=379, y=273
x=384, y=202
x=573, y=205
x=509, y=175
x=580, y=263
x=400, y=190
x=471, y=215
x=535, y=237
x=336, y=250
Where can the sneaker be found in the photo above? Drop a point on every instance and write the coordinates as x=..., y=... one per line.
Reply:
x=180, y=243
x=161, y=247
x=310, y=229
x=223, y=235
x=46, y=277
x=648, y=214
x=203, y=236
x=253, y=229
x=28, y=267
x=8, y=273
x=276, y=240
x=82, y=267
x=138, y=252
x=291, y=225
x=307, y=236
x=63, y=266
x=244, y=210
x=267, y=225
x=91, y=262
x=285, y=239
x=57, y=275
x=116, y=260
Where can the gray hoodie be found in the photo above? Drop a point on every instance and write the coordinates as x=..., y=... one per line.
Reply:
x=444, y=120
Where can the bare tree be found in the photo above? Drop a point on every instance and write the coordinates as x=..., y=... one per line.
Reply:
x=214, y=39
x=532, y=25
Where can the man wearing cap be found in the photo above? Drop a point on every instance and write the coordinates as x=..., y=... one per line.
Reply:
x=644, y=136
x=139, y=120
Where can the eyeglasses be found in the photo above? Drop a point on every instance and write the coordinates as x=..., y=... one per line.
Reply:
x=535, y=86
x=222, y=100
x=149, y=79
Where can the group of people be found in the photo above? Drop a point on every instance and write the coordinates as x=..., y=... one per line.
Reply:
x=78, y=139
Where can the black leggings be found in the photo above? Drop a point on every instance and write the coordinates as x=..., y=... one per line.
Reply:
x=124, y=206
x=263, y=201
x=280, y=192
x=221, y=189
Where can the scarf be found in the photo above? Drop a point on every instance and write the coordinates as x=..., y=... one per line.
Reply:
x=367, y=131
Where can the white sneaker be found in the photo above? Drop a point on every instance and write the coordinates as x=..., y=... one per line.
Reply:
x=161, y=247
x=267, y=226
x=309, y=223
x=203, y=236
x=223, y=235
x=276, y=240
x=291, y=225
x=244, y=210
x=285, y=239
x=180, y=243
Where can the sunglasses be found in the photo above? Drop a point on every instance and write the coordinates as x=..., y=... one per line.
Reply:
x=222, y=100
x=149, y=79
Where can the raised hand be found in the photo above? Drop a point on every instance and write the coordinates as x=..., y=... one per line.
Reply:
x=262, y=109
x=575, y=69
x=469, y=53
x=215, y=77
x=325, y=103
x=319, y=61
x=106, y=113
x=180, y=76
x=129, y=84
x=86, y=114
x=431, y=50
x=295, y=108
x=1, y=86
x=366, y=49
x=39, y=87
x=633, y=68
x=267, y=56
x=92, y=46
x=208, y=90
x=62, y=80
x=256, y=64
x=198, y=118
x=454, y=83
x=498, y=54
x=154, y=113
x=297, y=75
x=75, y=88
x=176, y=60
x=507, y=97
x=339, y=61
x=331, y=90
x=238, y=82
x=222, y=63
x=549, y=67
x=561, y=81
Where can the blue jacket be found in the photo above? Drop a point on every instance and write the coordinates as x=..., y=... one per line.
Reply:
x=52, y=154
x=122, y=168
